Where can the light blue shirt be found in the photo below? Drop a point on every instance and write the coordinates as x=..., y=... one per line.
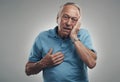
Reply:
x=72, y=69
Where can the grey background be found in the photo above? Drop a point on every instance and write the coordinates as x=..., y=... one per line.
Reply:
x=22, y=20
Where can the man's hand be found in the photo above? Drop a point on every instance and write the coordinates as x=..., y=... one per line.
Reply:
x=75, y=30
x=52, y=59
x=49, y=60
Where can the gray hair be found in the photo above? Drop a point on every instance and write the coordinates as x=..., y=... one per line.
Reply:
x=68, y=3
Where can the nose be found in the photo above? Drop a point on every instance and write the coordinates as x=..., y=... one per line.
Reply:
x=69, y=22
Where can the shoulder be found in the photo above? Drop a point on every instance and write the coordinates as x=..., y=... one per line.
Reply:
x=83, y=31
x=83, y=34
x=41, y=35
x=44, y=33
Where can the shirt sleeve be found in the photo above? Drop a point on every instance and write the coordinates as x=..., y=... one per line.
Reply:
x=86, y=39
x=35, y=53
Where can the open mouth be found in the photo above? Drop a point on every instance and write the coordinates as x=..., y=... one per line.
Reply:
x=67, y=30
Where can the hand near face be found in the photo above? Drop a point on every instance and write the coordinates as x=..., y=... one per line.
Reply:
x=75, y=30
x=52, y=59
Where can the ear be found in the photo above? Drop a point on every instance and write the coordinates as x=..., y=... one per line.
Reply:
x=57, y=19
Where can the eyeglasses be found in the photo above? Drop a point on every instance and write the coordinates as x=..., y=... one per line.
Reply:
x=67, y=17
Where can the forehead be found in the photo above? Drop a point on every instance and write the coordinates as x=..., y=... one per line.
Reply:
x=71, y=11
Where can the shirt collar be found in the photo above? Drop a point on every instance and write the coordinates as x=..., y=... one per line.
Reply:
x=53, y=33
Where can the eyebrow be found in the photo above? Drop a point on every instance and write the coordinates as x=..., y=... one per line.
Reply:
x=69, y=16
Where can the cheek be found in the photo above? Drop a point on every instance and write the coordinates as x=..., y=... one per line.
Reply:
x=62, y=23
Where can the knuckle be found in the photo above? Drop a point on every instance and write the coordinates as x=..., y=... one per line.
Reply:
x=54, y=62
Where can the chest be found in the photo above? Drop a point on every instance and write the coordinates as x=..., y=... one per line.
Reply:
x=64, y=46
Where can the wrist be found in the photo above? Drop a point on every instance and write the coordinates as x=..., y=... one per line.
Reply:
x=41, y=64
x=74, y=39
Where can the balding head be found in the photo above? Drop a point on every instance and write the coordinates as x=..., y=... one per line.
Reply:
x=66, y=4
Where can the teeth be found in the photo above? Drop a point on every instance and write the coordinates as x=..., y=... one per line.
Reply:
x=68, y=27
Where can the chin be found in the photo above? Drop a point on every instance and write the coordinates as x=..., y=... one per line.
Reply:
x=66, y=35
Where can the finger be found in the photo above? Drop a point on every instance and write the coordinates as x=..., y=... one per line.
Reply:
x=58, y=54
x=58, y=62
x=78, y=26
x=58, y=57
x=50, y=51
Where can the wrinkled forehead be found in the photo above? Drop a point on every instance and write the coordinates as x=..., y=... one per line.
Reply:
x=70, y=10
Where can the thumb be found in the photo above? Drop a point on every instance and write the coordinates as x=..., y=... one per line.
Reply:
x=50, y=51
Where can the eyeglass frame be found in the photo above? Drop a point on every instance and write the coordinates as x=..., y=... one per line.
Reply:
x=67, y=17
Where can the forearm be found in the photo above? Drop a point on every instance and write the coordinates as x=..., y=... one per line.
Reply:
x=47, y=61
x=34, y=68
x=85, y=54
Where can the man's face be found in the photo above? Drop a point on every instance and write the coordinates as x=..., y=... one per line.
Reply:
x=67, y=19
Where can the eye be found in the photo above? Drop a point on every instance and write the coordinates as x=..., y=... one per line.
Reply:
x=66, y=17
x=74, y=19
